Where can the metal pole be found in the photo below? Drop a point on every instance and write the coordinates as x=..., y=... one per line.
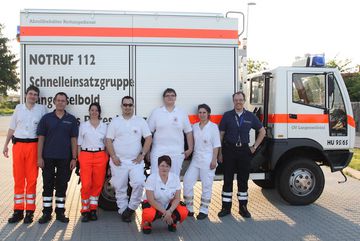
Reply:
x=247, y=16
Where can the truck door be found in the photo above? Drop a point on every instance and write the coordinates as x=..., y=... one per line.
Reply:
x=338, y=123
x=307, y=117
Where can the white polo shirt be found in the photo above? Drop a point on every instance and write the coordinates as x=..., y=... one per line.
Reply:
x=25, y=121
x=126, y=136
x=205, y=140
x=168, y=128
x=92, y=138
x=163, y=192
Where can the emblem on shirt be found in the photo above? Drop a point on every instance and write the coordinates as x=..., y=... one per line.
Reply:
x=205, y=141
x=175, y=119
x=67, y=122
x=135, y=131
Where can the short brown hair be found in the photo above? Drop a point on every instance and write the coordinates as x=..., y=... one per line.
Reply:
x=239, y=93
x=165, y=159
x=168, y=91
x=34, y=88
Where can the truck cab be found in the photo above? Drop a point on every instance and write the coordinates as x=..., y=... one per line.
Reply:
x=307, y=113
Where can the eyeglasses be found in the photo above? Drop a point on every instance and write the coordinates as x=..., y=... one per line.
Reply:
x=128, y=105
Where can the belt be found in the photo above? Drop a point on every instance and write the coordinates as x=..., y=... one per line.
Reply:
x=23, y=140
x=236, y=145
x=92, y=149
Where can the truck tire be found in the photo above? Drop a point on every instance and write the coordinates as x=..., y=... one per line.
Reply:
x=107, y=200
x=265, y=184
x=300, y=181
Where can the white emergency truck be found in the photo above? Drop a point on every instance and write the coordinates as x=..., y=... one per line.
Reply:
x=104, y=55
x=309, y=122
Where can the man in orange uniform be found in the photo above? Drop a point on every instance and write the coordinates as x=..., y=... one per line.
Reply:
x=22, y=131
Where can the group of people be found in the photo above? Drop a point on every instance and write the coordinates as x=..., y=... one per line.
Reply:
x=54, y=142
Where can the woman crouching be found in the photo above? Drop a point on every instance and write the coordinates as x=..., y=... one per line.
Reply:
x=162, y=198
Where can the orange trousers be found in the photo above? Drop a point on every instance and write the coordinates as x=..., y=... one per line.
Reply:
x=150, y=214
x=92, y=175
x=25, y=172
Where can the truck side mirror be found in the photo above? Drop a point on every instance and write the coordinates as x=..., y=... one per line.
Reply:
x=331, y=84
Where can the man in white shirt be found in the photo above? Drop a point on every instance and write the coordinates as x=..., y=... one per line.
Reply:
x=123, y=142
x=22, y=131
x=168, y=123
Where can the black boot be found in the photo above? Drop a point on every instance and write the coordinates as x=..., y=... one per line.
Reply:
x=93, y=216
x=244, y=212
x=172, y=227
x=62, y=218
x=29, y=216
x=45, y=218
x=17, y=216
x=223, y=212
x=85, y=217
x=127, y=214
x=201, y=216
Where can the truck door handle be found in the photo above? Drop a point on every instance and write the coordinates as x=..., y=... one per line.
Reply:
x=293, y=116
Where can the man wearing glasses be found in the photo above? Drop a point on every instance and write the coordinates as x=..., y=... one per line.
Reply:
x=123, y=142
x=236, y=154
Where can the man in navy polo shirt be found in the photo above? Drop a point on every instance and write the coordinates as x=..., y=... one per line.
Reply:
x=57, y=133
x=236, y=154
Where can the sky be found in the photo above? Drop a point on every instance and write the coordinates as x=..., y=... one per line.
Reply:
x=279, y=30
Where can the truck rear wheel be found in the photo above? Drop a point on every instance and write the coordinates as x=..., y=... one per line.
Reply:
x=300, y=181
x=107, y=200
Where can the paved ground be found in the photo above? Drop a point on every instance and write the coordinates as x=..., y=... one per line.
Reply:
x=335, y=216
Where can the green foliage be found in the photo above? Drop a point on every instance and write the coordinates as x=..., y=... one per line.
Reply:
x=352, y=83
x=344, y=66
x=352, y=80
x=6, y=111
x=355, y=161
x=8, y=104
x=9, y=77
x=254, y=66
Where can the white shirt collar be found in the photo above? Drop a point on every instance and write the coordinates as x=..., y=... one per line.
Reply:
x=165, y=110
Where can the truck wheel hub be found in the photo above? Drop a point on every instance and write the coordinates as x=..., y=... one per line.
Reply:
x=301, y=182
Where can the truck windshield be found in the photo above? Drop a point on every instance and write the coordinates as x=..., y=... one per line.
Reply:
x=309, y=89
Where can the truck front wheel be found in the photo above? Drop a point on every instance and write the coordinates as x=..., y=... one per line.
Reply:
x=300, y=181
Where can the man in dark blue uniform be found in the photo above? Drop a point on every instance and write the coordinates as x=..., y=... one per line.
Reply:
x=57, y=133
x=236, y=154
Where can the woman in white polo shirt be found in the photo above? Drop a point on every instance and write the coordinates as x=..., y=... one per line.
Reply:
x=168, y=123
x=162, y=198
x=93, y=160
x=203, y=163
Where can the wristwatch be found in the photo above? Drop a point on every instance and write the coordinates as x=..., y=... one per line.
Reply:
x=142, y=153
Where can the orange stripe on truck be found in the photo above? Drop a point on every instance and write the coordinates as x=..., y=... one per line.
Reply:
x=283, y=119
x=351, y=121
x=128, y=32
x=301, y=118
